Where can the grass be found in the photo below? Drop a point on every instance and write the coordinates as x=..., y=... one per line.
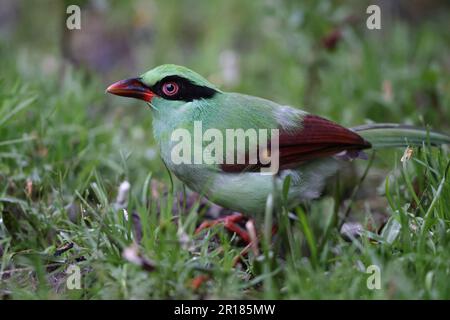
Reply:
x=65, y=148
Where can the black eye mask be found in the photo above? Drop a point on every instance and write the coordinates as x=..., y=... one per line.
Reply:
x=187, y=91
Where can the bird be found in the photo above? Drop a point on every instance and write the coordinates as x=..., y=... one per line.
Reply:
x=310, y=148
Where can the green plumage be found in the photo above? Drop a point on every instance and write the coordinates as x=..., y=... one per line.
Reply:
x=247, y=191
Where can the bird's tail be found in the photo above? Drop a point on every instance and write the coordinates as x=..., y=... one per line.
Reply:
x=385, y=135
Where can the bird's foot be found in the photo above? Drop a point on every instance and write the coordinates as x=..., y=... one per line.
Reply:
x=229, y=222
x=248, y=235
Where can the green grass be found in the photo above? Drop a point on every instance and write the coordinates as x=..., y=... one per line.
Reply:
x=65, y=148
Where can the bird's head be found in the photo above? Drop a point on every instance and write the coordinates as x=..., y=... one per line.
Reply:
x=166, y=85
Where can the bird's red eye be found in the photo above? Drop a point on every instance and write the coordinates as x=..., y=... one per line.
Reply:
x=170, y=88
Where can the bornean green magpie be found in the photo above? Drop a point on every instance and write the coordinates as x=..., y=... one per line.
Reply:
x=310, y=148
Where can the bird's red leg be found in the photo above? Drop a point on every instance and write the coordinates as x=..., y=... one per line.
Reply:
x=230, y=223
x=248, y=235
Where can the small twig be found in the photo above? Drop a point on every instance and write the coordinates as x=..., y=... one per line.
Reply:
x=64, y=248
x=241, y=254
x=49, y=267
x=254, y=243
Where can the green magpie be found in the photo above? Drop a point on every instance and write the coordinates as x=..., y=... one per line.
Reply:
x=310, y=148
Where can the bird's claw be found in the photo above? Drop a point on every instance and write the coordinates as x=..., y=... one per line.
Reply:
x=230, y=223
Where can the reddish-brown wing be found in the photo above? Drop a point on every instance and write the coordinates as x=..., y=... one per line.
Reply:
x=316, y=138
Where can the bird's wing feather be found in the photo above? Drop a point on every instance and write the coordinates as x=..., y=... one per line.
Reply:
x=314, y=138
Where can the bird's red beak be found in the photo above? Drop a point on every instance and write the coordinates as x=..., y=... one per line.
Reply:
x=133, y=88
